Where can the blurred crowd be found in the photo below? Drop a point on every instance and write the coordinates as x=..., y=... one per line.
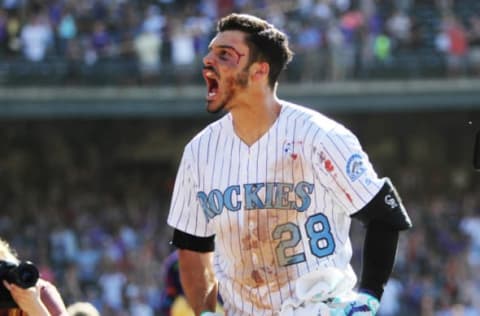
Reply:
x=157, y=41
x=92, y=220
x=78, y=200
x=438, y=268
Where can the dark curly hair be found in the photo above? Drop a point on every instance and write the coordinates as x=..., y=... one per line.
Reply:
x=266, y=42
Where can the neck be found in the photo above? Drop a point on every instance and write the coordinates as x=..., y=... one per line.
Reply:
x=253, y=119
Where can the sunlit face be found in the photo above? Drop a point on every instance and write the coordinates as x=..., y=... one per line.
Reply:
x=225, y=70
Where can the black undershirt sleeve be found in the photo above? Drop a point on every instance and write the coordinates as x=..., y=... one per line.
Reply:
x=379, y=251
x=184, y=240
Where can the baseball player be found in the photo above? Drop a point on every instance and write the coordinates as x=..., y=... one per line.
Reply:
x=264, y=196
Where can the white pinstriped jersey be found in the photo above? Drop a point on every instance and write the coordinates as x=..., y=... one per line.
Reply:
x=279, y=208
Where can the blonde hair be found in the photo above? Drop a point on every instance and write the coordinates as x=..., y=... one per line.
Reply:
x=6, y=252
x=82, y=309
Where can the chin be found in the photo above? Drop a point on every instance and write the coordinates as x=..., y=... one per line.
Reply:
x=214, y=108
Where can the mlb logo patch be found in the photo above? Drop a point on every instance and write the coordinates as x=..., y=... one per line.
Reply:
x=355, y=167
x=289, y=148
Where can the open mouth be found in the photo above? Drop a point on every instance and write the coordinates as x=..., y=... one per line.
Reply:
x=212, y=83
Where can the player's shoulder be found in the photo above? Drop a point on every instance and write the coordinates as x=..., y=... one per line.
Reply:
x=311, y=119
x=213, y=128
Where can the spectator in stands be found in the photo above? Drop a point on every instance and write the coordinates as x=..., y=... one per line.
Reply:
x=392, y=297
x=456, y=45
x=173, y=301
x=339, y=57
x=322, y=12
x=444, y=6
x=66, y=32
x=147, y=45
x=82, y=309
x=43, y=299
x=308, y=47
x=101, y=40
x=474, y=44
x=470, y=226
x=382, y=48
x=172, y=288
x=183, y=48
x=352, y=24
x=399, y=29
x=12, y=4
x=36, y=38
x=112, y=283
x=63, y=244
x=154, y=20
x=14, y=26
x=87, y=261
x=3, y=32
x=137, y=301
x=200, y=26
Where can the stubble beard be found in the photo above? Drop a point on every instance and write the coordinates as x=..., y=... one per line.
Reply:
x=233, y=85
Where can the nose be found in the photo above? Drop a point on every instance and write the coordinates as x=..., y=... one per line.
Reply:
x=207, y=59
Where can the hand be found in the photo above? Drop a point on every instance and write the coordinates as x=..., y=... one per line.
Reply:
x=27, y=299
x=363, y=305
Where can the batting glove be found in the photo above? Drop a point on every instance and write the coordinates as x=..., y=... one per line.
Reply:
x=363, y=305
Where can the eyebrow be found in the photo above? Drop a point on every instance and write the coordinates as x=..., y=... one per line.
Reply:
x=228, y=47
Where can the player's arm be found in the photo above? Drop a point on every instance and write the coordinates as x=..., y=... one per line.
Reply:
x=195, y=259
x=384, y=216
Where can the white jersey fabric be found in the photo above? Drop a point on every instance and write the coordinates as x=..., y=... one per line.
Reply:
x=279, y=208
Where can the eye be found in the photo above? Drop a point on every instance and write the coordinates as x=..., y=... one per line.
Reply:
x=225, y=55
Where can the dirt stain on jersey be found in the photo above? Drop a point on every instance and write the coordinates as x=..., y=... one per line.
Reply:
x=288, y=166
x=257, y=278
x=258, y=241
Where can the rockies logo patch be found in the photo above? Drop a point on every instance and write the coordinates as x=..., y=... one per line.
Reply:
x=355, y=167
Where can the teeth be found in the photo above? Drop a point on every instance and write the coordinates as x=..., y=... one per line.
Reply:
x=209, y=74
x=211, y=94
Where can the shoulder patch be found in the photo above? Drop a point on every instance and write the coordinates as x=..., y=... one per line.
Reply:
x=355, y=167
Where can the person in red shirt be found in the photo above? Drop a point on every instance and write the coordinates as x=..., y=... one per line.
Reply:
x=457, y=49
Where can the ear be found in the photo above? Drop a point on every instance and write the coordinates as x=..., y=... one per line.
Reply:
x=260, y=71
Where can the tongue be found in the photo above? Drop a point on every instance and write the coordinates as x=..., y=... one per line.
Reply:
x=212, y=92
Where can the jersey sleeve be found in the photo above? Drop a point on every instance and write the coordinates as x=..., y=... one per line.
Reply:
x=185, y=212
x=350, y=175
